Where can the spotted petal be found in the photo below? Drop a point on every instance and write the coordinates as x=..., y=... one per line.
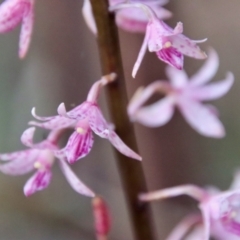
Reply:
x=78, y=146
x=97, y=122
x=186, y=46
x=171, y=56
x=56, y=123
x=99, y=125
x=26, y=31
x=121, y=146
x=11, y=14
x=27, y=137
x=21, y=162
x=39, y=181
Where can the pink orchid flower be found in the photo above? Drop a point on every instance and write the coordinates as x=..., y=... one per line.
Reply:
x=40, y=157
x=85, y=118
x=187, y=96
x=169, y=44
x=132, y=19
x=12, y=12
x=220, y=211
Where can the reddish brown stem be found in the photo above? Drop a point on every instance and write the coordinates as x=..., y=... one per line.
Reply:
x=131, y=171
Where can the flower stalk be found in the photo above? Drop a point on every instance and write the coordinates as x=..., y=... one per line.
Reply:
x=131, y=172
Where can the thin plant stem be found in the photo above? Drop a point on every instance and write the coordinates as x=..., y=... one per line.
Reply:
x=131, y=172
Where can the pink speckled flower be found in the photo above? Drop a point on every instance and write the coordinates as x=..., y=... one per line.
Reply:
x=169, y=44
x=131, y=19
x=40, y=157
x=85, y=118
x=12, y=12
x=187, y=96
x=220, y=211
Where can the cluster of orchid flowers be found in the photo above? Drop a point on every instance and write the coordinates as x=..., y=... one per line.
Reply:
x=220, y=210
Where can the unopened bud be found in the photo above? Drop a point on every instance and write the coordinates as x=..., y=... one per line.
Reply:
x=101, y=217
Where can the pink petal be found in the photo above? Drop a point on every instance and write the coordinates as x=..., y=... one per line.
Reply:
x=161, y=12
x=213, y=91
x=229, y=213
x=26, y=31
x=97, y=122
x=95, y=90
x=171, y=56
x=142, y=95
x=33, y=112
x=74, y=181
x=58, y=122
x=21, y=162
x=201, y=118
x=132, y=20
x=212, y=109
x=99, y=125
x=121, y=146
x=78, y=146
x=178, y=29
x=88, y=16
x=208, y=70
x=190, y=190
x=79, y=112
x=141, y=54
x=62, y=110
x=13, y=155
x=37, y=182
x=11, y=14
x=27, y=136
x=49, y=143
x=178, y=78
x=156, y=114
x=159, y=33
x=186, y=46
x=65, y=120
x=135, y=19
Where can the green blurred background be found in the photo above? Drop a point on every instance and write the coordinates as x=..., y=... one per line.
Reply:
x=61, y=66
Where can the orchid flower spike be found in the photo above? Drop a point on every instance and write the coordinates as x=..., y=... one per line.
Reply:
x=40, y=157
x=220, y=210
x=169, y=44
x=187, y=96
x=12, y=12
x=131, y=19
x=101, y=218
x=85, y=118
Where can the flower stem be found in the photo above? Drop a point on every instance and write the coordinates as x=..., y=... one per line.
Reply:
x=131, y=171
